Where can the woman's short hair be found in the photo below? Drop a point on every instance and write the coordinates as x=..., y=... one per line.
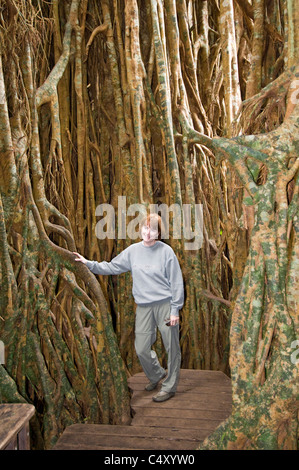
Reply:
x=152, y=220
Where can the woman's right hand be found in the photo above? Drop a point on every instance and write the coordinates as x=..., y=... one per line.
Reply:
x=80, y=257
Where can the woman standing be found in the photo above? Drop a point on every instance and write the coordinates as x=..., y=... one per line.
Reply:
x=158, y=291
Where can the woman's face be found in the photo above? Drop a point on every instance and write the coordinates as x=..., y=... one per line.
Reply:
x=149, y=233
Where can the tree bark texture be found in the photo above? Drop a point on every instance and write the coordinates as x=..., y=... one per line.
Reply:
x=165, y=102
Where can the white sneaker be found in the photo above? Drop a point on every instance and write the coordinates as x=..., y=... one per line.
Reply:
x=163, y=396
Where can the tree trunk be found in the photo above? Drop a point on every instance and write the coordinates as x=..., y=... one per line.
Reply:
x=265, y=321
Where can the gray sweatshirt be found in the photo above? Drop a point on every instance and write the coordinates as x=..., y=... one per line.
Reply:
x=156, y=273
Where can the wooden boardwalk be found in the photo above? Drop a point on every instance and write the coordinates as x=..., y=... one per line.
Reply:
x=201, y=403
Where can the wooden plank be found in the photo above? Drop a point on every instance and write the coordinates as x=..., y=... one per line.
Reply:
x=13, y=417
x=174, y=412
x=24, y=438
x=124, y=437
x=190, y=373
x=124, y=443
x=164, y=432
x=208, y=425
x=13, y=444
x=133, y=447
x=184, y=388
x=185, y=384
x=86, y=446
x=194, y=402
x=195, y=381
x=185, y=398
x=190, y=377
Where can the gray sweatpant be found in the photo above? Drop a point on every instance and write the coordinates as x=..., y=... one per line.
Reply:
x=147, y=320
